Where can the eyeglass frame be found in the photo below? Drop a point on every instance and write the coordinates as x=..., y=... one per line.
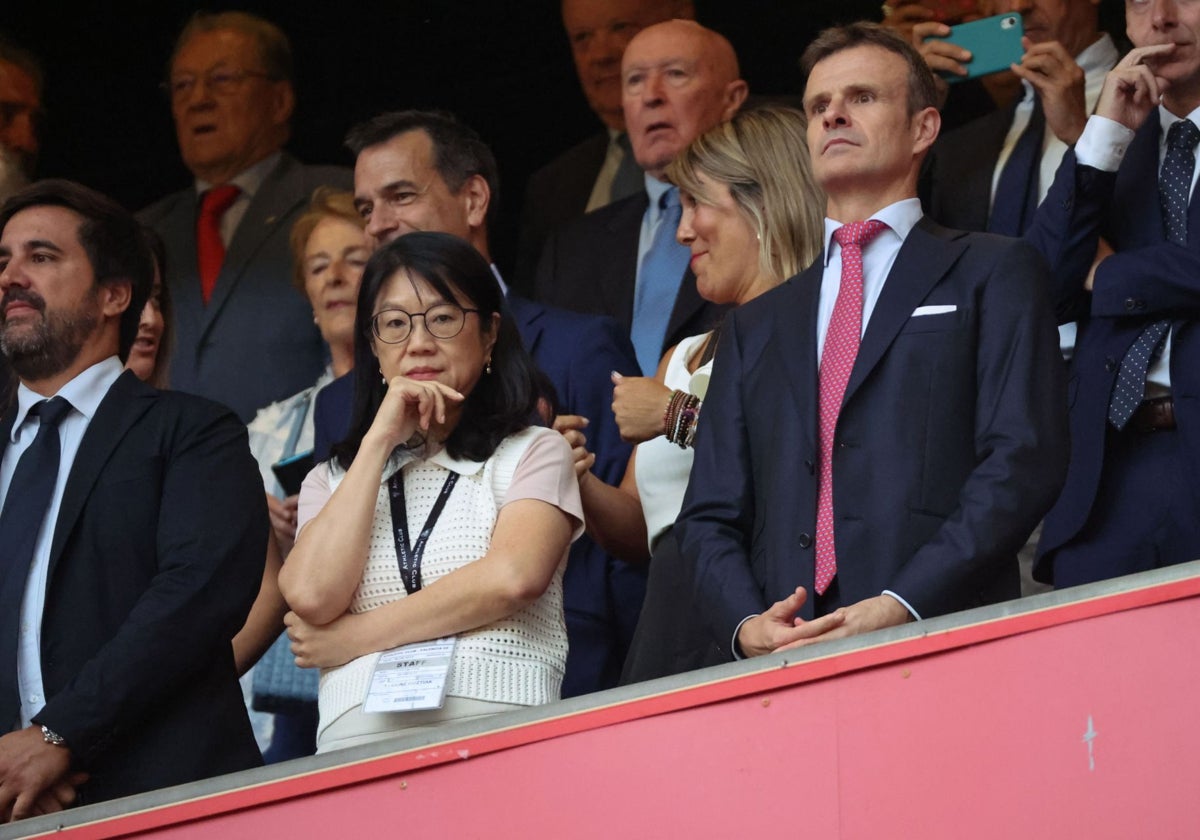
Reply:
x=412, y=316
x=171, y=87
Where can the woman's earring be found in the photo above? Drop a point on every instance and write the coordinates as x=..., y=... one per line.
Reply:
x=487, y=368
x=382, y=378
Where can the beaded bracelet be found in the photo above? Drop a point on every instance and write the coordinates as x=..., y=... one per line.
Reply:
x=680, y=418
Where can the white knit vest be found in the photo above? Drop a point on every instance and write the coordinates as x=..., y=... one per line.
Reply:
x=519, y=659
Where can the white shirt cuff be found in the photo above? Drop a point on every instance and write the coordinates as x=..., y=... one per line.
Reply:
x=733, y=644
x=916, y=615
x=1103, y=144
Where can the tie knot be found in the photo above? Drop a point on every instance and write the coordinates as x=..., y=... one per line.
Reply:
x=1183, y=135
x=218, y=199
x=859, y=233
x=50, y=412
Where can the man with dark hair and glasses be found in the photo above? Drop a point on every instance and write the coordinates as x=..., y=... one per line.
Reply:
x=243, y=336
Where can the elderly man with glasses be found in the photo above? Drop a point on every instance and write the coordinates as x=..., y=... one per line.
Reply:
x=243, y=335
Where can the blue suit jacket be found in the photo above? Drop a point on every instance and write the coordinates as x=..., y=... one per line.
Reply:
x=156, y=558
x=602, y=596
x=255, y=341
x=1146, y=280
x=951, y=442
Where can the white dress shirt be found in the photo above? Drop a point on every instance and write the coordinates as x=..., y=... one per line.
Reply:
x=84, y=392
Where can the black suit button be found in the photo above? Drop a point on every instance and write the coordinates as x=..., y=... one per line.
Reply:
x=1134, y=305
x=805, y=540
x=1110, y=364
x=810, y=466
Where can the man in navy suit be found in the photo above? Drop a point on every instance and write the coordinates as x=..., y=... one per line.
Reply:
x=420, y=170
x=122, y=588
x=1131, y=501
x=243, y=336
x=883, y=432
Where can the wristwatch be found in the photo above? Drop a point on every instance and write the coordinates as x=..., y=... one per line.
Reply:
x=52, y=737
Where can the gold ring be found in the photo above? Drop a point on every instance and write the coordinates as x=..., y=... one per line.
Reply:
x=886, y=10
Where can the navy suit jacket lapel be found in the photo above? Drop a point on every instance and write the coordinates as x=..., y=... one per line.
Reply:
x=528, y=317
x=279, y=193
x=928, y=253
x=794, y=330
x=126, y=401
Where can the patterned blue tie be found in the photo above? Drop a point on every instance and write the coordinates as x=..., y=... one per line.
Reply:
x=1017, y=189
x=658, y=285
x=1174, y=184
x=29, y=495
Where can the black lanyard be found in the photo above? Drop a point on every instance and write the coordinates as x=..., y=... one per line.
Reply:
x=408, y=557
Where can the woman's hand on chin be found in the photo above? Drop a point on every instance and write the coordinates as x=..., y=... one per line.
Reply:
x=412, y=406
x=325, y=645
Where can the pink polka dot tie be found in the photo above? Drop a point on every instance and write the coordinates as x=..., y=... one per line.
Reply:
x=837, y=360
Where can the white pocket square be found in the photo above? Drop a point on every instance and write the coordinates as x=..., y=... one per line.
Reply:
x=934, y=310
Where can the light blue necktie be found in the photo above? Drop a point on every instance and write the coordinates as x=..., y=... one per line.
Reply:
x=658, y=285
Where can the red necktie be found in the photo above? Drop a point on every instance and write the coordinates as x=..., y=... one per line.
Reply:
x=837, y=360
x=210, y=250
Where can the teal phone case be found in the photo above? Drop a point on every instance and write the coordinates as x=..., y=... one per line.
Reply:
x=994, y=42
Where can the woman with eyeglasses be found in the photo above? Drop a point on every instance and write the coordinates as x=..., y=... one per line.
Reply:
x=444, y=517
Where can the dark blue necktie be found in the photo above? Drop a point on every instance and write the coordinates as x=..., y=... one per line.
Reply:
x=25, y=506
x=1017, y=189
x=1174, y=184
x=658, y=285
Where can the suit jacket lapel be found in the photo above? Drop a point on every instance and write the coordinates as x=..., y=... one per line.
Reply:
x=127, y=400
x=527, y=316
x=927, y=254
x=280, y=192
x=794, y=330
x=180, y=227
x=621, y=255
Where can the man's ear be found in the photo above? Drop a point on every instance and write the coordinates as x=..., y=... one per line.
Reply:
x=735, y=95
x=478, y=197
x=283, y=103
x=925, y=124
x=115, y=298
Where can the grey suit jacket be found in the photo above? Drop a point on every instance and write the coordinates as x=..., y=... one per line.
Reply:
x=255, y=341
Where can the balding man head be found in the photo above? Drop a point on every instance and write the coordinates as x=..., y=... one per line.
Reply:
x=598, y=31
x=678, y=80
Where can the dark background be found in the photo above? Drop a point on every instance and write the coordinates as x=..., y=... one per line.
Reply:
x=503, y=67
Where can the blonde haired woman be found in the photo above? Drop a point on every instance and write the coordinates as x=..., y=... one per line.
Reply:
x=752, y=216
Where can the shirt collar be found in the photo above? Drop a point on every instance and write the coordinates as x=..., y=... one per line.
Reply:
x=1099, y=56
x=900, y=217
x=500, y=280
x=249, y=179
x=84, y=392
x=402, y=457
x=1167, y=119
